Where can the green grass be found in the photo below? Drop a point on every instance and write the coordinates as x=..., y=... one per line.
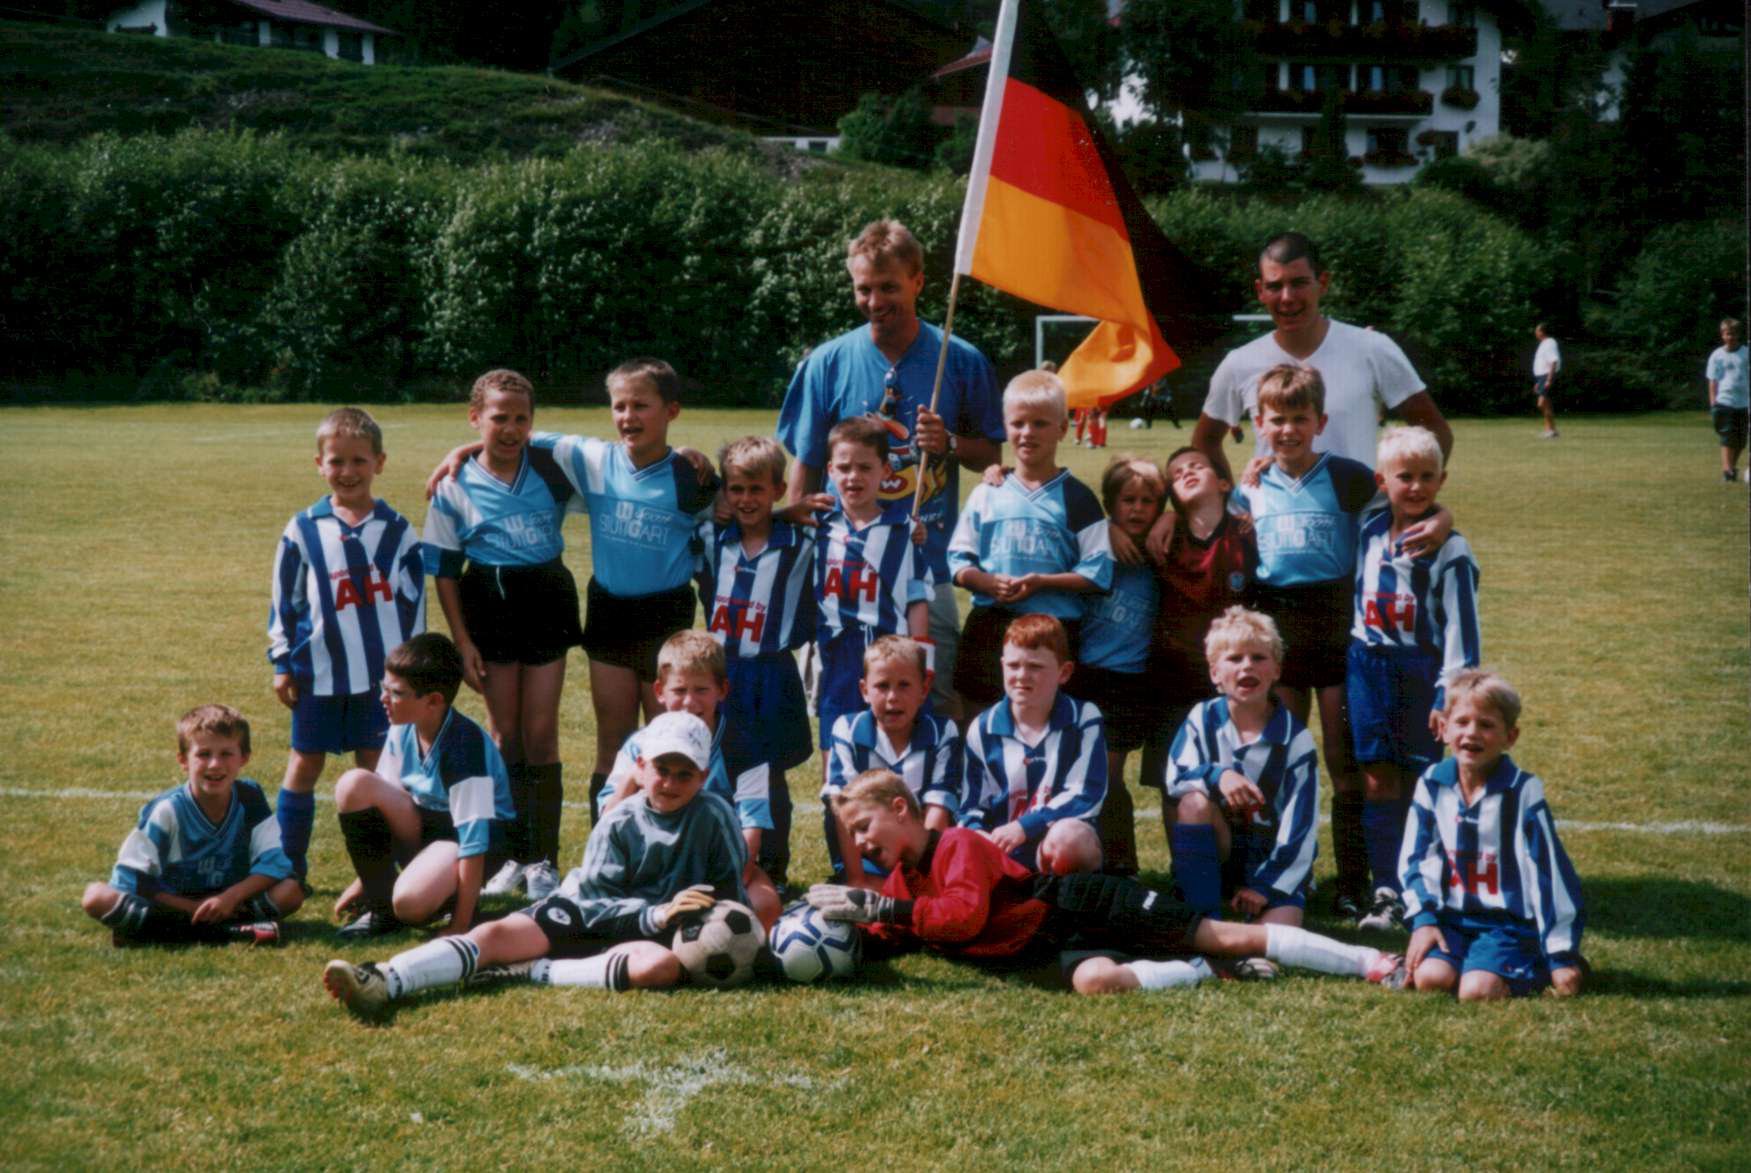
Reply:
x=63, y=85
x=136, y=548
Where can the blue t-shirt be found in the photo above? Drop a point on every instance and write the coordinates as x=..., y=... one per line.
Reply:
x=1307, y=526
x=461, y=774
x=847, y=377
x=1014, y=530
x=1728, y=370
x=176, y=848
x=1120, y=624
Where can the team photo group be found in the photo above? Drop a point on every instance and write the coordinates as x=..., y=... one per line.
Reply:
x=792, y=603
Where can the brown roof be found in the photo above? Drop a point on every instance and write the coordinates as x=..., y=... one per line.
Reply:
x=304, y=12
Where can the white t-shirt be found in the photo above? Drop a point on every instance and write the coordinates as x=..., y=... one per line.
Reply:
x=1728, y=370
x=1547, y=359
x=1363, y=370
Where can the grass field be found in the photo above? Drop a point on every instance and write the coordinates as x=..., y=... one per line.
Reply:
x=137, y=545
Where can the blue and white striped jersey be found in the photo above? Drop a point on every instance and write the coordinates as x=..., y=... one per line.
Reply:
x=461, y=774
x=175, y=848
x=1015, y=530
x=1282, y=763
x=1064, y=776
x=643, y=521
x=1494, y=864
x=759, y=605
x=475, y=517
x=1429, y=603
x=930, y=764
x=344, y=597
x=1120, y=624
x=1306, y=527
x=867, y=578
x=735, y=775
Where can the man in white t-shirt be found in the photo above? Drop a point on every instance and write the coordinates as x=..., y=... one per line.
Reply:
x=1544, y=367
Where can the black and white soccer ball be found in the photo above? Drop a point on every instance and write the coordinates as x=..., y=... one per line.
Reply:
x=810, y=948
x=718, y=947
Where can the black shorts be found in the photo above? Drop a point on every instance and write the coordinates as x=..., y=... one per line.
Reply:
x=1315, y=623
x=979, y=660
x=562, y=923
x=628, y=632
x=1129, y=702
x=1095, y=913
x=1730, y=425
x=521, y=614
x=439, y=827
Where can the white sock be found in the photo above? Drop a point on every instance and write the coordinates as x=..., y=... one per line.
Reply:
x=1166, y=975
x=1305, y=950
x=605, y=971
x=436, y=963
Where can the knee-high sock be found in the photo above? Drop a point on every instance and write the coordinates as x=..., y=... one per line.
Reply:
x=135, y=918
x=1383, y=829
x=1166, y=975
x=1197, y=865
x=1298, y=947
x=605, y=971
x=372, y=849
x=547, y=796
x=775, y=844
x=597, y=782
x=1347, y=842
x=519, y=838
x=436, y=963
x=296, y=813
x=1118, y=830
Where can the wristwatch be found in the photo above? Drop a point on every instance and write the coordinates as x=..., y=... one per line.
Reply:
x=954, y=444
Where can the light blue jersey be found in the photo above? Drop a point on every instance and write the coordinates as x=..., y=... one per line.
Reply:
x=644, y=522
x=1426, y=604
x=736, y=774
x=175, y=848
x=930, y=764
x=344, y=597
x=1307, y=525
x=1014, y=530
x=462, y=774
x=1120, y=624
x=475, y=517
x=1062, y=776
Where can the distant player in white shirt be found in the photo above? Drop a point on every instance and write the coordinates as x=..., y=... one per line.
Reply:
x=1545, y=365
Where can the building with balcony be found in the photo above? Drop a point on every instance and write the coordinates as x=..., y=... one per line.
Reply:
x=282, y=24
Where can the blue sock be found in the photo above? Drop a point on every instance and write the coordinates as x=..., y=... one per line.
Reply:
x=1383, y=831
x=1197, y=866
x=296, y=813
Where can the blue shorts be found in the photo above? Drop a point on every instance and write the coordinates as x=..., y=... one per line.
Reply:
x=1390, y=692
x=841, y=669
x=1513, y=957
x=1541, y=386
x=337, y=724
x=766, y=702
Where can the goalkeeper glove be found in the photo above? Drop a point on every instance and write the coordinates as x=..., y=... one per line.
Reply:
x=857, y=905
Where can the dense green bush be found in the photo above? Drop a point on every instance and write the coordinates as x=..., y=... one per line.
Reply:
x=1679, y=287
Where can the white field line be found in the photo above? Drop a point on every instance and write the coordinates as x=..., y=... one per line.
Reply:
x=1674, y=827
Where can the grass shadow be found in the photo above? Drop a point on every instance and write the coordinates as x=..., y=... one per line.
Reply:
x=1662, y=908
x=1627, y=984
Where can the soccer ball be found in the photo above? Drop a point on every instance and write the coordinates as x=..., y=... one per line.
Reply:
x=718, y=948
x=1136, y=423
x=809, y=947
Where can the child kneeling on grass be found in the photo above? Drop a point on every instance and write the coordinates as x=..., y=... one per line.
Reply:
x=1493, y=902
x=957, y=893
x=666, y=851
x=204, y=862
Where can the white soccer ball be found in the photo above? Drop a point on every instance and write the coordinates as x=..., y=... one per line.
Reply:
x=1136, y=423
x=809, y=948
x=718, y=947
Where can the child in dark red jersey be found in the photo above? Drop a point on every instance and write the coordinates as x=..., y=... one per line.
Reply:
x=957, y=893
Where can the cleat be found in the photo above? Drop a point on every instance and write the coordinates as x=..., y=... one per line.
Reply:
x=263, y=932
x=1346, y=907
x=498, y=974
x=1388, y=972
x=362, y=988
x=1387, y=913
x=540, y=879
x=367, y=925
x=505, y=881
x=1252, y=969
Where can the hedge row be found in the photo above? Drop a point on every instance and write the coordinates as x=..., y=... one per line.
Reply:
x=201, y=263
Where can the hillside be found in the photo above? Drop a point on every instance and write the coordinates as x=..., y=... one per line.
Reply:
x=62, y=85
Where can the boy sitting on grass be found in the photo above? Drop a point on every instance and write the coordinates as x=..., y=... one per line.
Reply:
x=667, y=851
x=956, y=893
x=1493, y=902
x=204, y=861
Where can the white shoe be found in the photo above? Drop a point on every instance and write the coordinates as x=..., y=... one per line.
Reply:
x=505, y=881
x=362, y=987
x=539, y=880
x=1387, y=914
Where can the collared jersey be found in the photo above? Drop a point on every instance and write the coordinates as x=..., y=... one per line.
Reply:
x=475, y=517
x=1428, y=604
x=461, y=774
x=1117, y=629
x=867, y=577
x=643, y=521
x=965, y=897
x=344, y=597
x=1282, y=763
x=736, y=773
x=846, y=377
x=1063, y=776
x=1306, y=526
x=1015, y=530
x=930, y=764
x=760, y=604
x=1496, y=863
x=176, y=848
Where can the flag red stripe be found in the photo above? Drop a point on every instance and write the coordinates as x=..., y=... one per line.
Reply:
x=1044, y=148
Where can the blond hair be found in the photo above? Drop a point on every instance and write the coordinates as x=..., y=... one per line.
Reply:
x=1287, y=386
x=1407, y=442
x=752, y=457
x=688, y=652
x=887, y=242
x=503, y=380
x=1038, y=389
x=349, y=423
x=1485, y=687
x=1237, y=627
x=218, y=720
x=891, y=648
x=877, y=788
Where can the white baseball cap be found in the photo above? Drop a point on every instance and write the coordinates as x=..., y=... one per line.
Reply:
x=681, y=733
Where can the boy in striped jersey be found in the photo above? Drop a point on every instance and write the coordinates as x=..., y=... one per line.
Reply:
x=348, y=586
x=1414, y=628
x=1243, y=779
x=668, y=851
x=1036, y=765
x=893, y=733
x=1493, y=902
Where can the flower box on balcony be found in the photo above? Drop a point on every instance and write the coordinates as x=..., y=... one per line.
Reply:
x=1459, y=97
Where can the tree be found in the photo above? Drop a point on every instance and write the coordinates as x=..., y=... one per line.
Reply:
x=1193, y=60
x=895, y=131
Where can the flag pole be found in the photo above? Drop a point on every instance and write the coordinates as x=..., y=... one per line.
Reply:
x=924, y=458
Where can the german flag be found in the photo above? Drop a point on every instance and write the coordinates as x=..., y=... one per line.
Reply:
x=1050, y=217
